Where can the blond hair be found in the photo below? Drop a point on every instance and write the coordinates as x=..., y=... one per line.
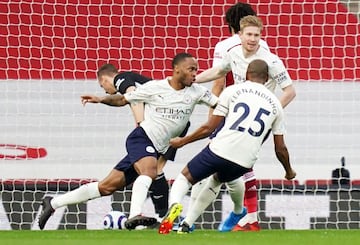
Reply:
x=251, y=20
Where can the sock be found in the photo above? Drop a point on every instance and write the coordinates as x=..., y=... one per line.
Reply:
x=83, y=193
x=207, y=194
x=195, y=190
x=139, y=193
x=159, y=193
x=236, y=190
x=179, y=189
x=250, y=199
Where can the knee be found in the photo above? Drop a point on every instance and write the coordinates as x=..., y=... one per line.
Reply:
x=106, y=189
x=152, y=174
x=150, y=171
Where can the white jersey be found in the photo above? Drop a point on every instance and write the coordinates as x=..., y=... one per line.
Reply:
x=235, y=61
x=251, y=111
x=167, y=110
x=222, y=47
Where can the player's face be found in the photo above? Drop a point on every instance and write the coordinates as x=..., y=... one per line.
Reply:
x=106, y=82
x=250, y=38
x=187, y=71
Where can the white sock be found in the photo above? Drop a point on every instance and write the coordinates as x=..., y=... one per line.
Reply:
x=81, y=194
x=207, y=194
x=236, y=190
x=139, y=194
x=179, y=189
x=195, y=190
x=252, y=217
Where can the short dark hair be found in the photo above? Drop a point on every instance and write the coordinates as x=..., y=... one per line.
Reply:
x=235, y=13
x=107, y=69
x=257, y=69
x=180, y=57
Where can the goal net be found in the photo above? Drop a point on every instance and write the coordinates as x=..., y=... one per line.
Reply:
x=50, y=144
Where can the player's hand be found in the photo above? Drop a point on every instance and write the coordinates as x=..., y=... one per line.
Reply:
x=89, y=99
x=290, y=174
x=176, y=142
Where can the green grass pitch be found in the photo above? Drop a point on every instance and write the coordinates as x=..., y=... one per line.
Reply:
x=199, y=237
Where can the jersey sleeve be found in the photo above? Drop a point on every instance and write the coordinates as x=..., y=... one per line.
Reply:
x=222, y=107
x=143, y=92
x=279, y=73
x=225, y=63
x=218, y=55
x=264, y=44
x=127, y=79
x=206, y=97
x=278, y=126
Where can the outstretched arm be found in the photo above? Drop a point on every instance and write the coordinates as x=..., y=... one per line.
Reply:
x=288, y=94
x=211, y=74
x=137, y=108
x=282, y=155
x=111, y=100
x=217, y=88
x=202, y=132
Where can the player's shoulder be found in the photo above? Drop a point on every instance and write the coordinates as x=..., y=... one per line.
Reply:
x=156, y=82
x=256, y=86
x=222, y=47
x=198, y=90
x=266, y=93
x=197, y=87
x=137, y=76
x=269, y=57
x=264, y=44
x=228, y=42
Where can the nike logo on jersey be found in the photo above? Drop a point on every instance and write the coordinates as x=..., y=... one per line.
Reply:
x=118, y=82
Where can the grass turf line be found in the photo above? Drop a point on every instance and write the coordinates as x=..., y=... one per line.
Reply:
x=199, y=237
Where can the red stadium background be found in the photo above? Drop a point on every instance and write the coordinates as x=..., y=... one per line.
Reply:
x=70, y=39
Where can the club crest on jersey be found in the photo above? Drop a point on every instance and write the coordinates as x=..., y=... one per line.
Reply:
x=187, y=99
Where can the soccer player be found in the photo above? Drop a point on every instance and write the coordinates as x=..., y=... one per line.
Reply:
x=251, y=112
x=114, y=82
x=234, y=55
x=168, y=106
x=233, y=16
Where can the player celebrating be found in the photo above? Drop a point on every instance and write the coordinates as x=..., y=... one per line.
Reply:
x=168, y=106
x=114, y=82
x=251, y=112
x=235, y=58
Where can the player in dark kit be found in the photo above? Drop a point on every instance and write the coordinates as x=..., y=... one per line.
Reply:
x=114, y=82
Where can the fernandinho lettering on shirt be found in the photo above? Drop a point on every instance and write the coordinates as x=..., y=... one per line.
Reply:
x=258, y=93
